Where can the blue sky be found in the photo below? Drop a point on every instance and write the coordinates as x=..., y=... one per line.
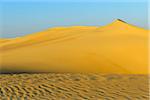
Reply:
x=20, y=18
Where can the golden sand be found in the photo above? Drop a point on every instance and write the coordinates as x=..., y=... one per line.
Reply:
x=58, y=86
x=116, y=48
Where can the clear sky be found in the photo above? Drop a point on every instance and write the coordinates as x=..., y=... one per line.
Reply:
x=22, y=17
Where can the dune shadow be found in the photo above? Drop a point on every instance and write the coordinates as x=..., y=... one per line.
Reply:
x=6, y=71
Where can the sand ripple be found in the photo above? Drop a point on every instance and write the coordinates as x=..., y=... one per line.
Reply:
x=54, y=86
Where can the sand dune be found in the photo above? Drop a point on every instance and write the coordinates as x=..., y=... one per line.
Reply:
x=115, y=48
x=57, y=86
x=4, y=40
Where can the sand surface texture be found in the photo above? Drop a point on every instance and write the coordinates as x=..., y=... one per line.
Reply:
x=115, y=48
x=52, y=86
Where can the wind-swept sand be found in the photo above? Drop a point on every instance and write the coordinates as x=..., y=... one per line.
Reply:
x=116, y=48
x=69, y=86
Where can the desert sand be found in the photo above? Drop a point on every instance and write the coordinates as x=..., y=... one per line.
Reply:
x=104, y=63
x=115, y=48
x=67, y=86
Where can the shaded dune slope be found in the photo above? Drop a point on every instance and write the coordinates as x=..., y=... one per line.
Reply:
x=116, y=48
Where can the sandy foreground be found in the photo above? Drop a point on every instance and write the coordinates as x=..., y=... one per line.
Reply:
x=67, y=86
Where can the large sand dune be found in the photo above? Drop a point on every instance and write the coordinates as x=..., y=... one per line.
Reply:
x=116, y=48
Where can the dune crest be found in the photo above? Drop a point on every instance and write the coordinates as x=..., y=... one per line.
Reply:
x=115, y=48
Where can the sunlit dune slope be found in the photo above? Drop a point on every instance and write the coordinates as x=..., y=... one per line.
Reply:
x=116, y=48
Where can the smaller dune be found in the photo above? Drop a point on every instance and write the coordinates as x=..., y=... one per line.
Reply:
x=4, y=40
